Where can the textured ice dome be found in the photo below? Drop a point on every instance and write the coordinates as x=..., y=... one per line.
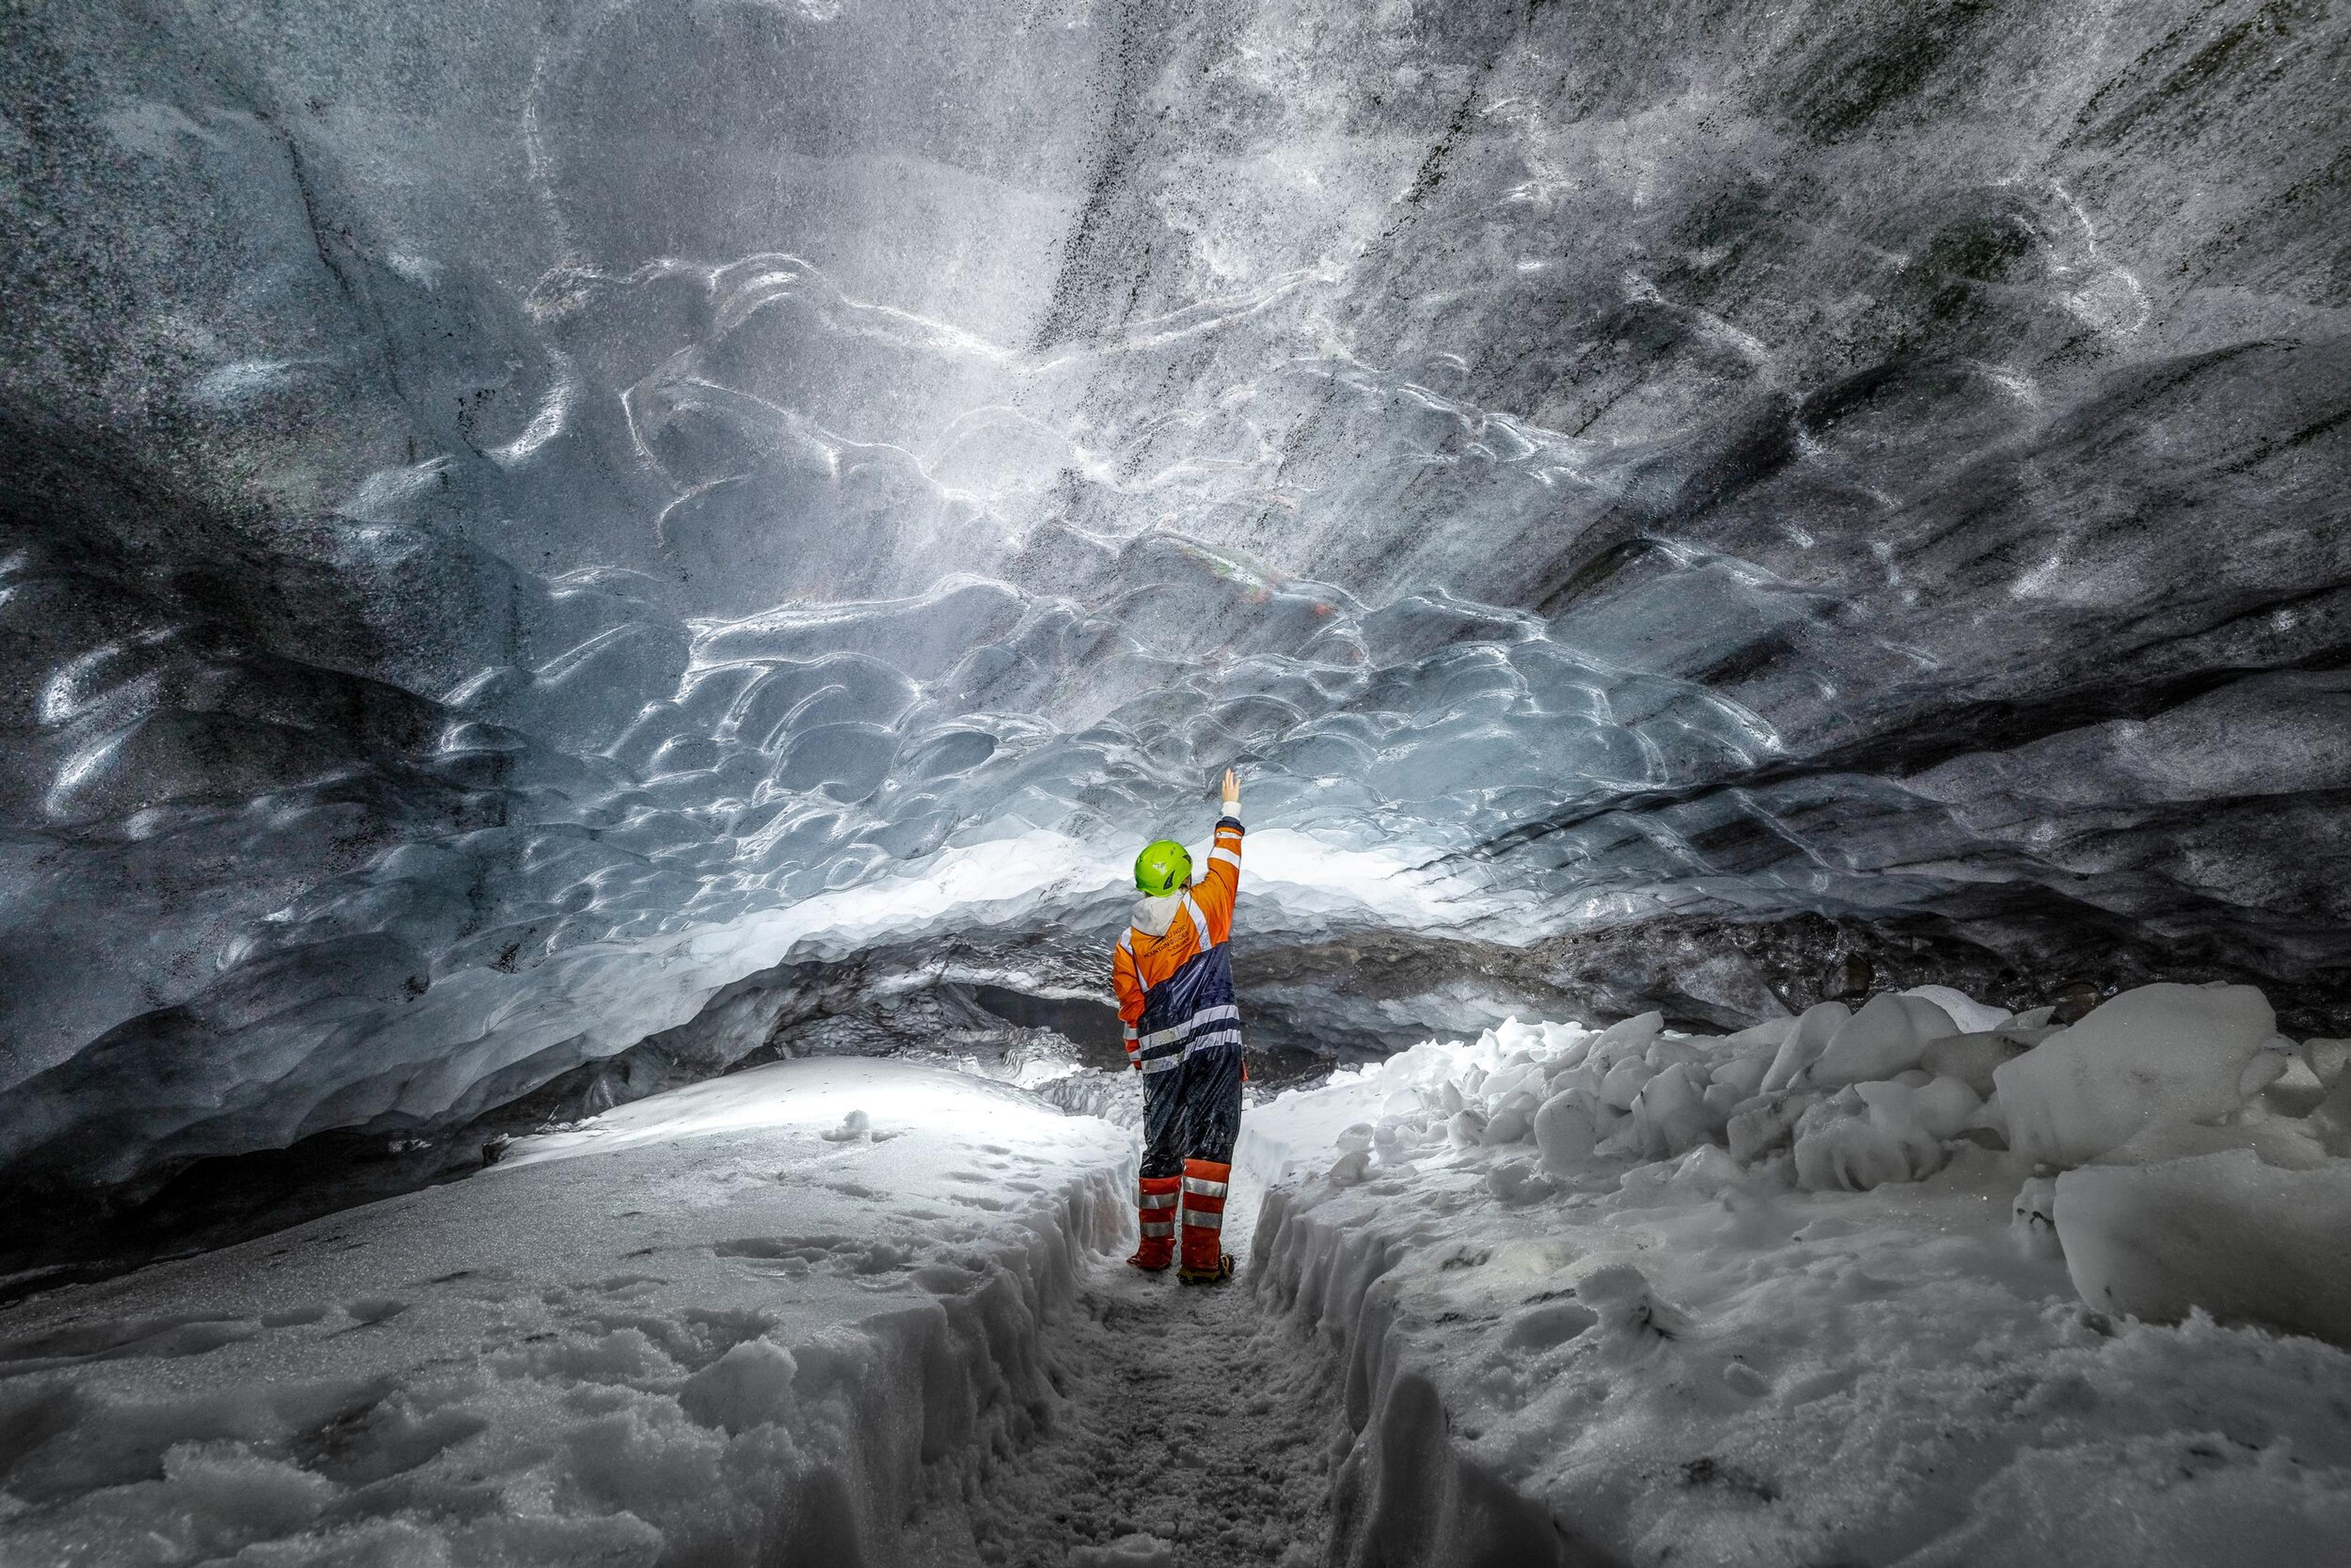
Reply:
x=517, y=520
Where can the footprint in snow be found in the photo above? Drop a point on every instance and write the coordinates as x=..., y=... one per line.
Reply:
x=1127, y=1552
x=795, y=1256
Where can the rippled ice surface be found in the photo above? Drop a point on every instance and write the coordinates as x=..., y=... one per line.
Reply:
x=550, y=510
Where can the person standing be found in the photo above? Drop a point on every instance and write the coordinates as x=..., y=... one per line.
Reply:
x=1174, y=974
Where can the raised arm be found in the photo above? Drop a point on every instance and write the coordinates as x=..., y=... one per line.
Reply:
x=1221, y=882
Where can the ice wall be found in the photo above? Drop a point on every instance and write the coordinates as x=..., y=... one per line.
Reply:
x=516, y=514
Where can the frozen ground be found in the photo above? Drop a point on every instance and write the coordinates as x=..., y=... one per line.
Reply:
x=750, y=1321
x=1558, y=1353
x=1508, y=1303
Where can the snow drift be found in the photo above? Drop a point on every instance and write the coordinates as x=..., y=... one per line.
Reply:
x=1644, y=1348
x=756, y=1321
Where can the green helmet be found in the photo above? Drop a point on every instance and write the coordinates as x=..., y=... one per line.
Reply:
x=1163, y=867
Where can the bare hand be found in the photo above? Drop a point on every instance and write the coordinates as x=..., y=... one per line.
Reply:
x=1232, y=787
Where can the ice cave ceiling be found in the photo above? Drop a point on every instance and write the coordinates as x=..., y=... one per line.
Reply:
x=516, y=514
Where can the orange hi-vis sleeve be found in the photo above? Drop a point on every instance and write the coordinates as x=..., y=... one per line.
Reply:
x=1128, y=984
x=1221, y=885
x=1127, y=980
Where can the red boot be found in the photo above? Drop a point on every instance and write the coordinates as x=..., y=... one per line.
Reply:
x=1205, y=1262
x=1155, y=1211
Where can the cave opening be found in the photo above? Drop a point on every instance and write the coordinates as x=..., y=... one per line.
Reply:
x=597, y=601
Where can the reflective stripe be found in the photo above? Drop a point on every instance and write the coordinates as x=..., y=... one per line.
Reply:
x=1205, y=1189
x=1174, y=1032
x=1160, y=1230
x=1200, y=1220
x=1130, y=1032
x=1210, y=1042
x=1161, y=1063
x=1181, y=1031
x=1227, y=856
x=1200, y=922
x=1156, y=1200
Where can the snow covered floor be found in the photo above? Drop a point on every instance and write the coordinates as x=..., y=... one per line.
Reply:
x=1191, y=1430
x=847, y=1311
x=1684, y=1362
x=761, y=1320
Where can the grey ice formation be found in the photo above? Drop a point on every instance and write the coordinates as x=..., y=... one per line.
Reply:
x=544, y=543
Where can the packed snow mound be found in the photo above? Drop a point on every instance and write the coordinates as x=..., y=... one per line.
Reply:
x=704, y=1331
x=2225, y=1233
x=1586, y=1340
x=2160, y=1054
x=2165, y=1077
x=551, y=493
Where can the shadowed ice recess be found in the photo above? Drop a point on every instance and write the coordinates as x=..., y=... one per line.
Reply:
x=531, y=529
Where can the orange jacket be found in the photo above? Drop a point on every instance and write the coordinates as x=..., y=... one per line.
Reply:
x=1144, y=959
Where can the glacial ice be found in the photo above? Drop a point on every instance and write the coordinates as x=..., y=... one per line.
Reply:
x=509, y=518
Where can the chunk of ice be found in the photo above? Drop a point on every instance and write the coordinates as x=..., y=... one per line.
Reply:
x=1887, y=1037
x=2244, y=1242
x=2161, y=1053
x=1806, y=1042
x=1969, y=1015
x=1564, y=1131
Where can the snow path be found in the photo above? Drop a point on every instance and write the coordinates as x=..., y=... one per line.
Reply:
x=1188, y=1417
